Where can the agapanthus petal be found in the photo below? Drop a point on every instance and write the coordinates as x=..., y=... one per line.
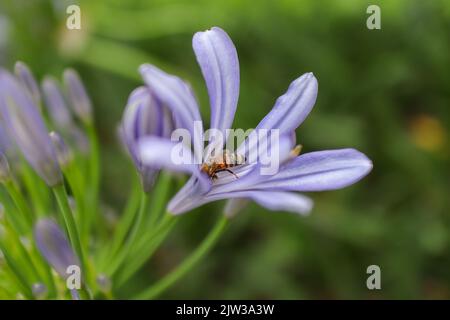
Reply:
x=290, y=109
x=26, y=126
x=54, y=246
x=56, y=104
x=142, y=116
x=319, y=171
x=160, y=153
x=279, y=200
x=219, y=63
x=77, y=95
x=178, y=97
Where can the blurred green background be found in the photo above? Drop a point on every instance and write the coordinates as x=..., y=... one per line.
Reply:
x=385, y=92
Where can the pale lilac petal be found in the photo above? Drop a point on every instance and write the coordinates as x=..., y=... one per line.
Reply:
x=190, y=196
x=281, y=201
x=162, y=153
x=319, y=171
x=252, y=174
x=142, y=116
x=219, y=63
x=54, y=246
x=178, y=97
x=291, y=109
x=187, y=199
x=234, y=206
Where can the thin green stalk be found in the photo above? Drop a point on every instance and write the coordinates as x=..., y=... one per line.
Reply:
x=160, y=196
x=36, y=189
x=188, y=263
x=21, y=278
x=24, y=256
x=20, y=203
x=72, y=230
x=144, y=250
x=71, y=175
x=123, y=226
x=117, y=262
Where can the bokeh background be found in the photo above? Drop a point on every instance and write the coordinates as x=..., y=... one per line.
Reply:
x=385, y=92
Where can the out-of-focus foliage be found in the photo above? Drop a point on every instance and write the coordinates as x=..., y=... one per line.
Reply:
x=385, y=92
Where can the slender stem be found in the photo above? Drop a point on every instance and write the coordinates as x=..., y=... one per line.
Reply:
x=20, y=203
x=17, y=271
x=144, y=250
x=117, y=262
x=94, y=174
x=74, y=236
x=123, y=226
x=160, y=196
x=36, y=189
x=188, y=263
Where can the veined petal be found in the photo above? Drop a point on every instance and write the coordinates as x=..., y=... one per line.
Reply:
x=162, y=153
x=219, y=63
x=178, y=97
x=283, y=201
x=142, y=116
x=252, y=174
x=291, y=109
x=187, y=200
x=319, y=171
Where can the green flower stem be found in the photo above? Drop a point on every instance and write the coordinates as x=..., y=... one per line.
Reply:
x=117, y=262
x=72, y=175
x=13, y=216
x=36, y=189
x=21, y=204
x=188, y=263
x=46, y=271
x=94, y=163
x=72, y=230
x=24, y=257
x=144, y=250
x=123, y=226
x=16, y=269
x=160, y=195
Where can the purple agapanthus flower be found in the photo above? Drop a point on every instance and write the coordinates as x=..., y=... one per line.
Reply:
x=143, y=116
x=23, y=122
x=315, y=171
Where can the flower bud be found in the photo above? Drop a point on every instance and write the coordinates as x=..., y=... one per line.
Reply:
x=26, y=127
x=104, y=283
x=54, y=246
x=56, y=105
x=77, y=95
x=63, y=153
x=39, y=291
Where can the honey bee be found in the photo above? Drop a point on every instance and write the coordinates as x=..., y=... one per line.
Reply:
x=222, y=162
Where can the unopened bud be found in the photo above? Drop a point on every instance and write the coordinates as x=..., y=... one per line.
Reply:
x=63, y=153
x=77, y=95
x=104, y=283
x=39, y=291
